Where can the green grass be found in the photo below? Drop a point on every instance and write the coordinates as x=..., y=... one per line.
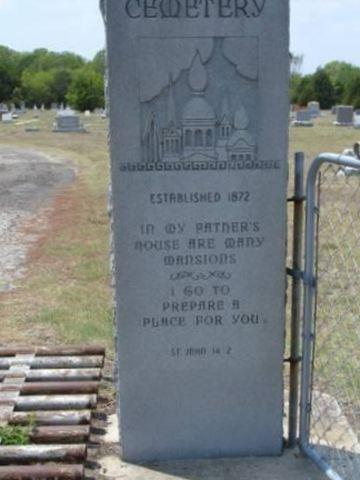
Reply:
x=66, y=292
x=15, y=435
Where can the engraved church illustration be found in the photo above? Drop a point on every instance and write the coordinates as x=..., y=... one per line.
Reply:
x=197, y=134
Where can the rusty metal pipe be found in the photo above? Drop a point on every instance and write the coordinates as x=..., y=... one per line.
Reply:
x=41, y=351
x=61, y=434
x=52, y=374
x=55, y=402
x=71, y=417
x=54, y=362
x=29, y=472
x=39, y=453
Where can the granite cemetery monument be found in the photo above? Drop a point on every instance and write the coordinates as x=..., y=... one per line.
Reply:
x=67, y=121
x=345, y=116
x=198, y=100
x=303, y=118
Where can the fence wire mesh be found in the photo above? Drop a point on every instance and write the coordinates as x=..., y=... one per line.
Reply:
x=335, y=412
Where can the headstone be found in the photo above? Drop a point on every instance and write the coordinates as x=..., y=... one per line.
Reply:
x=7, y=117
x=32, y=128
x=314, y=109
x=357, y=121
x=43, y=108
x=334, y=110
x=292, y=113
x=54, y=106
x=3, y=110
x=35, y=111
x=345, y=116
x=67, y=121
x=22, y=107
x=87, y=113
x=199, y=168
x=303, y=118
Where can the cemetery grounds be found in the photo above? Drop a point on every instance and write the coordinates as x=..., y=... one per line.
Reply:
x=64, y=294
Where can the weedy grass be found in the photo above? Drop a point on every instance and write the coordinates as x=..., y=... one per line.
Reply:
x=15, y=435
x=65, y=296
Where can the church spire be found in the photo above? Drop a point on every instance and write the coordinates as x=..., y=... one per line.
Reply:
x=241, y=120
x=171, y=112
x=225, y=109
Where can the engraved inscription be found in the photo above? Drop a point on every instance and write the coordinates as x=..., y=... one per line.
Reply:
x=200, y=256
x=192, y=9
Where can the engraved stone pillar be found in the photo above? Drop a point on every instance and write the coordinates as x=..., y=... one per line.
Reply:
x=198, y=135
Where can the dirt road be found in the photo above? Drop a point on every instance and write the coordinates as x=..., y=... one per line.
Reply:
x=28, y=183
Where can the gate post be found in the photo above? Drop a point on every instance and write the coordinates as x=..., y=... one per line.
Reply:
x=295, y=359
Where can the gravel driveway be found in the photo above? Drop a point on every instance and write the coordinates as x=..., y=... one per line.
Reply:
x=28, y=181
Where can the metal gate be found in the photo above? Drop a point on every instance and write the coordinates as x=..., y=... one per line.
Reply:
x=330, y=384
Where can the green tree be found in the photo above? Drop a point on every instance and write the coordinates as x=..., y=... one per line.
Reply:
x=305, y=90
x=352, y=94
x=323, y=89
x=37, y=87
x=9, y=73
x=341, y=75
x=41, y=60
x=86, y=90
x=295, y=81
x=99, y=62
x=17, y=96
x=61, y=81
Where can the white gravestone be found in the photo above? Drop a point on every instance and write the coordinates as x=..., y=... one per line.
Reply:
x=357, y=121
x=7, y=117
x=198, y=99
x=3, y=110
x=314, y=109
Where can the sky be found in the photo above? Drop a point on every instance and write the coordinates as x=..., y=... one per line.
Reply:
x=321, y=30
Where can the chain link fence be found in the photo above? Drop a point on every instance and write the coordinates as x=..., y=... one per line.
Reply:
x=333, y=402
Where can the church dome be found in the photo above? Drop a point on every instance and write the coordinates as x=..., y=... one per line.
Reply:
x=198, y=109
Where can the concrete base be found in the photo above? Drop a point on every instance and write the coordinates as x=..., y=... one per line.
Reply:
x=290, y=466
x=337, y=124
x=298, y=123
x=79, y=130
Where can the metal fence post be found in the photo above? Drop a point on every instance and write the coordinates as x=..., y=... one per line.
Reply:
x=308, y=306
x=298, y=223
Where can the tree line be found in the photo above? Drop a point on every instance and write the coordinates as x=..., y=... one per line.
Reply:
x=45, y=77
x=337, y=83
